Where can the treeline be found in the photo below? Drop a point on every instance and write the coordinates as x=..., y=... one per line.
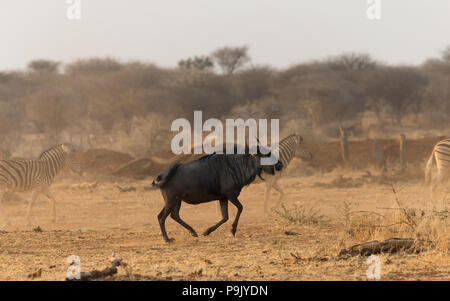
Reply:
x=129, y=106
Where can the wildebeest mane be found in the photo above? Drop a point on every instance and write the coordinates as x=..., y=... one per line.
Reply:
x=240, y=168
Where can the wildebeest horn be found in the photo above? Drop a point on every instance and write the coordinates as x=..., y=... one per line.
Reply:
x=257, y=147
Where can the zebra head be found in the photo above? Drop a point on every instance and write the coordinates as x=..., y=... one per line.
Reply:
x=301, y=151
x=72, y=161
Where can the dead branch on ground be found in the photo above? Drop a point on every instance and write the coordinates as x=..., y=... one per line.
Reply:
x=109, y=271
x=391, y=246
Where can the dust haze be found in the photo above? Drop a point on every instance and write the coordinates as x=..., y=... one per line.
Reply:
x=370, y=125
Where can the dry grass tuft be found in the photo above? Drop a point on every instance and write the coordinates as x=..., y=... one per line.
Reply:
x=399, y=221
x=301, y=216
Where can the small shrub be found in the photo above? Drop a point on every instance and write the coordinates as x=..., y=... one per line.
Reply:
x=301, y=215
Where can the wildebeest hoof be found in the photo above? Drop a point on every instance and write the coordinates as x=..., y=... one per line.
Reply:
x=207, y=232
x=233, y=231
x=194, y=234
x=170, y=240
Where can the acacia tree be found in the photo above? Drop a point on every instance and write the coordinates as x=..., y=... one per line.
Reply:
x=323, y=103
x=254, y=83
x=43, y=66
x=11, y=127
x=399, y=87
x=198, y=63
x=351, y=62
x=93, y=66
x=230, y=59
x=50, y=111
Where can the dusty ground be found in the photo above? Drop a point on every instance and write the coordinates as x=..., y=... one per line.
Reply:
x=94, y=222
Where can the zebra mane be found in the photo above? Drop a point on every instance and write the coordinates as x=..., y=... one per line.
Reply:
x=290, y=136
x=55, y=149
x=285, y=139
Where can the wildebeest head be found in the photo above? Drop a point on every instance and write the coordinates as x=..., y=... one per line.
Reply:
x=263, y=152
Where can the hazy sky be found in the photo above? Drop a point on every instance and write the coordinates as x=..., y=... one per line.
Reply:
x=279, y=33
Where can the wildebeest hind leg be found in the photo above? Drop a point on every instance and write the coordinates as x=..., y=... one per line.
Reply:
x=224, y=210
x=176, y=216
x=162, y=220
x=239, y=207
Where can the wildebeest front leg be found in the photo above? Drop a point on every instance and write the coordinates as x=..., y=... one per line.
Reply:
x=239, y=207
x=224, y=210
x=176, y=216
x=162, y=220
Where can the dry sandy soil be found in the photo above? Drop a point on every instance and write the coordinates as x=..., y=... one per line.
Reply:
x=94, y=222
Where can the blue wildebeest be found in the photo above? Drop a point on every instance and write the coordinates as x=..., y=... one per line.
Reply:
x=212, y=177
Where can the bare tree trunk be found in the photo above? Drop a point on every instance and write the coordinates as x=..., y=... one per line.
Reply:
x=80, y=144
x=89, y=141
x=402, y=152
x=344, y=144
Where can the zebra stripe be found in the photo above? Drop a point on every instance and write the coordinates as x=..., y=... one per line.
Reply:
x=288, y=148
x=440, y=156
x=38, y=174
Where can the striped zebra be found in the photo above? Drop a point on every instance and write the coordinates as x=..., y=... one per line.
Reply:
x=441, y=157
x=288, y=148
x=38, y=174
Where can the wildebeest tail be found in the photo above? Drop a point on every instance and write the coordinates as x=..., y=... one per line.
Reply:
x=163, y=179
x=428, y=167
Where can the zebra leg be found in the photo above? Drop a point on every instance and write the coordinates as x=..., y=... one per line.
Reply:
x=34, y=195
x=435, y=183
x=444, y=181
x=278, y=188
x=3, y=215
x=49, y=195
x=269, y=184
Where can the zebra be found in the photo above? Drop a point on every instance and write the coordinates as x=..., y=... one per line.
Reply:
x=441, y=156
x=38, y=174
x=288, y=148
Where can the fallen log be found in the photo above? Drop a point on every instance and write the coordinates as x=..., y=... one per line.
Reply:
x=99, y=275
x=392, y=245
x=35, y=274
